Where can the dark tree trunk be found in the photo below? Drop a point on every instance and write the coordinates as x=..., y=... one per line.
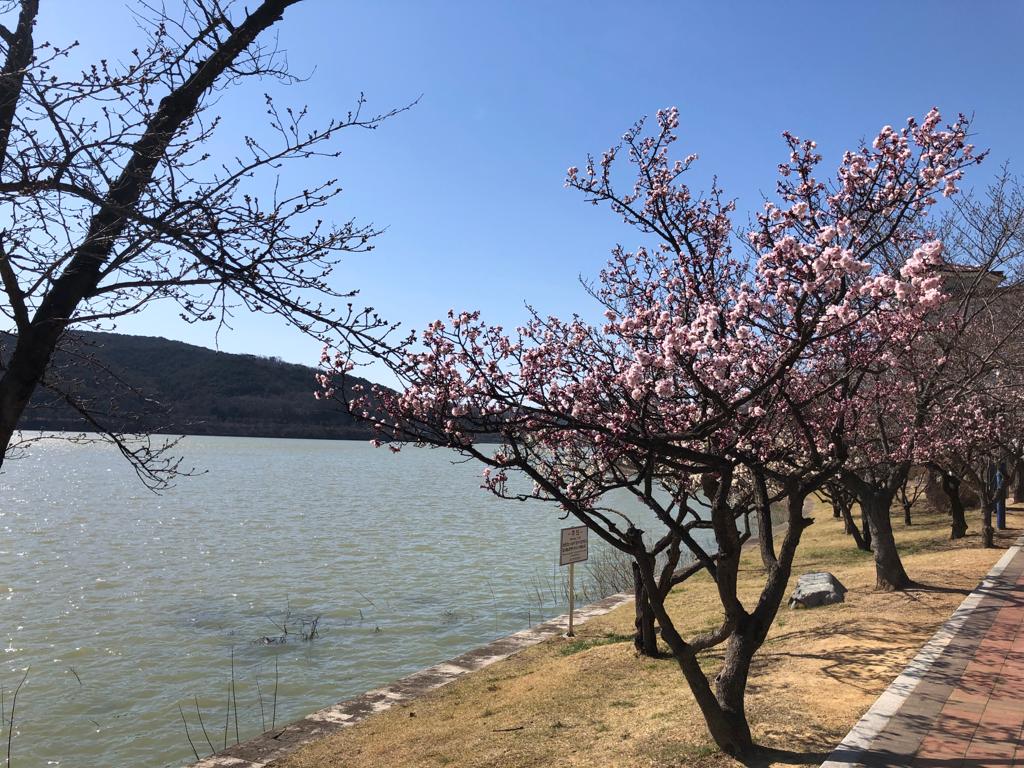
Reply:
x=853, y=530
x=729, y=729
x=723, y=706
x=16, y=388
x=765, y=525
x=731, y=683
x=1018, y=481
x=766, y=541
x=752, y=629
x=20, y=378
x=876, y=504
x=906, y=512
x=988, y=533
x=951, y=487
x=865, y=530
x=645, y=638
x=726, y=722
x=33, y=350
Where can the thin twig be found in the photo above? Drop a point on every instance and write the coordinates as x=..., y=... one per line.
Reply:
x=187, y=734
x=366, y=598
x=273, y=718
x=234, y=700
x=203, y=726
x=263, y=717
x=227, y=717
x=14, y=703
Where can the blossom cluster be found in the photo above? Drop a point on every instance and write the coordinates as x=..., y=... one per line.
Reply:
x=713, y=351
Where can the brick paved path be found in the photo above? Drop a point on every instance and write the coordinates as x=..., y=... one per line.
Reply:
x=961, y=701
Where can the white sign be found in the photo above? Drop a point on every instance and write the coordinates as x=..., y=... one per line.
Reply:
x=574, y=545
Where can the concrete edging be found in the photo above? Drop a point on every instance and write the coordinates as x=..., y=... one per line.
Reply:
x=267, y=748
x=860, y=738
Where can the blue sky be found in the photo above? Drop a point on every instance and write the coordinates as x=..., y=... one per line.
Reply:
x=469, y=182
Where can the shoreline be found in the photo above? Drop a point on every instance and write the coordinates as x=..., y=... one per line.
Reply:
x=278, y=743
x=259, y=751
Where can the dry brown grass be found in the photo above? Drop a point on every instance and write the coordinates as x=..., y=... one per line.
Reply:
x=596, y=703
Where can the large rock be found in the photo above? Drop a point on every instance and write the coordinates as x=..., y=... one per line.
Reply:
x=814, y=589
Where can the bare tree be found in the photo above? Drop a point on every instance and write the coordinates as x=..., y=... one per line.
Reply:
x=110, y=198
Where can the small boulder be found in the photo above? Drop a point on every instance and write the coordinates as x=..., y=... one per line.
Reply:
x=814, y=589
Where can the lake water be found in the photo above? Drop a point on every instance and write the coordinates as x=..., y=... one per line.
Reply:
x=125, y=605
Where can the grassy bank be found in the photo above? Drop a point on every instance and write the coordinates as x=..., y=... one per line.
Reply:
x=592, y=701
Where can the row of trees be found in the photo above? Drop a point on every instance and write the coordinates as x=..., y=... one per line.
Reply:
x=847, y=336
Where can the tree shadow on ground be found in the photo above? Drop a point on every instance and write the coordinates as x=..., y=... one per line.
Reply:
x=920, y=586
x=854, y=660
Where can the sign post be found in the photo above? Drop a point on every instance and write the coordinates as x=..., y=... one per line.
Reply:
x=573, y=549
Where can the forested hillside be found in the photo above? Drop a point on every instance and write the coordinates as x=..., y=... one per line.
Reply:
x=142, y=383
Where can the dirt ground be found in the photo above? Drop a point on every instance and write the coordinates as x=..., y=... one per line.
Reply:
x=594, y=702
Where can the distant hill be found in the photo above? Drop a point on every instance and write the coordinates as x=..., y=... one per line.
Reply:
x=144, y=383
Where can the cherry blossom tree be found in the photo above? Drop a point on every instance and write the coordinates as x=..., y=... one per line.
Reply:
x=985, y=237
x=711, y=361
x=987, y=421
x=896, y=421
x=908, y=495
x=978, y=423
x=842, y=501
x=934, y=402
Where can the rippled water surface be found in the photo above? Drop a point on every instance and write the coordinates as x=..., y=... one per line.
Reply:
x=124, y=604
